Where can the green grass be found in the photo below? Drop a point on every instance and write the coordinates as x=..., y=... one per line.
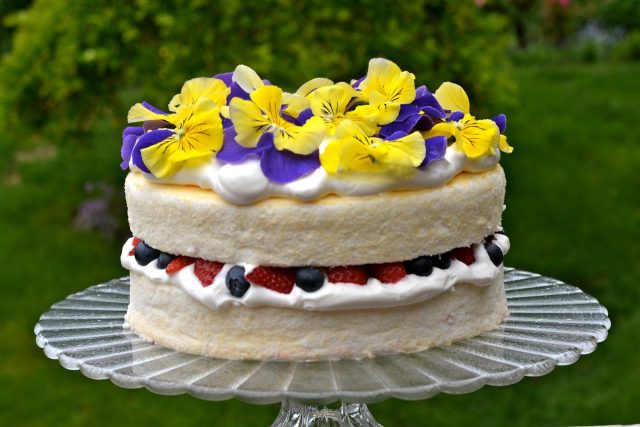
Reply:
x=572, y=213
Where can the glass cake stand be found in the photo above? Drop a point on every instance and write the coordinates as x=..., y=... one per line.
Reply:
x=550, y=323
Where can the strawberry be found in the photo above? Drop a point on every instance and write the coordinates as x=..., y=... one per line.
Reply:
x=178, y=263
x=134, y=242
x=390, y=272
x=206, y=271
x=355, y=274
x=277, y=279
x=464, y=254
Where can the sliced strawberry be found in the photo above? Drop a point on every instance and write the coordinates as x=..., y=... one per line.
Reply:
x=390, y=272
x=134, y=242
x=277, y=279
x=464, y=254
x=355, y=274
x=206, y=271
x=178, y=263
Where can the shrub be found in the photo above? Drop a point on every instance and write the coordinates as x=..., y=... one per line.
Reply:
x=72, y=62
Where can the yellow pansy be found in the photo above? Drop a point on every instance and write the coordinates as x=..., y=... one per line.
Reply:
x=352, y=150
x=201, y=87
x=385, y=88
x=262, y=114
x=332, y=103
x=474, y=137
x=197, y=137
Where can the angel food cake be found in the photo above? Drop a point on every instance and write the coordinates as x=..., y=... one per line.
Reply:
x=344, y=220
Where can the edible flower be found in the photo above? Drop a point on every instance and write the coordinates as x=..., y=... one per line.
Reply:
x=189, y=135
x=262, y=114
x=474, y=137
x=333, y=104
x=287, y=151
x=352, y=150
x=385, y=88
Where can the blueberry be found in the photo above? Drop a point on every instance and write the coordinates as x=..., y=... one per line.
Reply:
x=309, y=279
x=494, y=252
x=145, y=254
x=442, y=261
x=164, y=259
x=421, y=266
x=236, y=283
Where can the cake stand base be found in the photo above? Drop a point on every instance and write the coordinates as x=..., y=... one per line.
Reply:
x=346, y=415
x=550, y=324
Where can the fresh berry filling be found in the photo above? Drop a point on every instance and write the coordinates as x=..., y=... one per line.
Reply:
x=309, y=279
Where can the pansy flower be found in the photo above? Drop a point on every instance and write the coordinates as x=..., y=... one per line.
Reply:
x=386, y=87
x=262, y=130
x=352, y=150
x=189, y=135
x=334, y=104
x=248, y=81
x=472, y=136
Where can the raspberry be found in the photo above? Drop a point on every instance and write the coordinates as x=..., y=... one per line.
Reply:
x=464, y=254
x=206, y=271
x=355, y=274
x=178, y=263
x=390, y=272
x=275, y=278
x=134, y=242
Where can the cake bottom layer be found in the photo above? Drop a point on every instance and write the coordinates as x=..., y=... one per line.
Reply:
x=166, y=315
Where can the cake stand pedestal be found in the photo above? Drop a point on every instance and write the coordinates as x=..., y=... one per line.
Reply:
x=550, y=323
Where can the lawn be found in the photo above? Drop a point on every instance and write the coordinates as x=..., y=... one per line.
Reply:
x=573, y=213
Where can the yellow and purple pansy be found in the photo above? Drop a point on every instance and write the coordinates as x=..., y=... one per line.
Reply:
x=472, y=136
x=188, y=136
x=380, y=124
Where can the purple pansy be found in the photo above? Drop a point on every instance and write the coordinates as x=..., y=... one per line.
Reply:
x=279, y=166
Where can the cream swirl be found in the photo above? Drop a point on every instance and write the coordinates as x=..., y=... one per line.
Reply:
x=244, y=183
x=331, y=296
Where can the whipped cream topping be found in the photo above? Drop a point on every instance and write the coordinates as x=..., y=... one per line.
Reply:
x=244, y=183
x=332, y=296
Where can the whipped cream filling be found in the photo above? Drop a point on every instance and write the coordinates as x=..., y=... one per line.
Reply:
x=332, y=296
x=244, y=183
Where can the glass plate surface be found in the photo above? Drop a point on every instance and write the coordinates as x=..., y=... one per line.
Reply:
x=550, y=323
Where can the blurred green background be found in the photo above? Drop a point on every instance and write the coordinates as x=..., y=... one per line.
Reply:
x=565, y=72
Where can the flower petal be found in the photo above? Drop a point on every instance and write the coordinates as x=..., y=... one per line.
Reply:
x=504, y=145
x=269, y=99
x=141, y=112
x=405, y=125
x=247, y=78
x=147, y=140
x=501, y=121
x=200, y=88
x=303, y=139
x=284, y=166
x=436, y=149
x=294, y=104
x=452, y=97
x=248, y=120
x=478, y=137
x=455, y=116
x=227, y=77
x=312, y=85
x=231, y=151
x=129, y=137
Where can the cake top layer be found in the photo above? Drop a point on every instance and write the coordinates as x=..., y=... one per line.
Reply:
x=247, y=139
